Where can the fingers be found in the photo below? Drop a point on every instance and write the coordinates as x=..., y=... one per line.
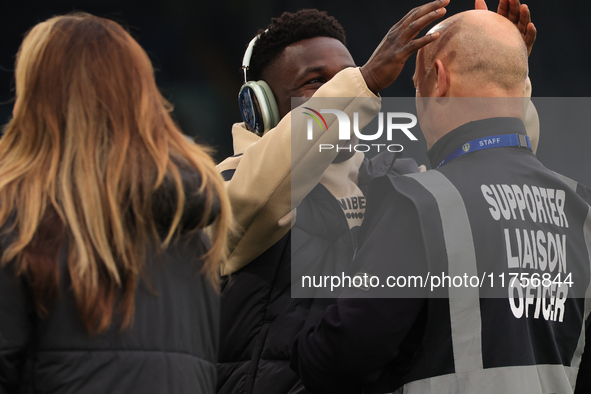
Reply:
x=417, y=44
x=514, y=11
x=524, y=19
x=530, y=37
x=510, y=9
x=417, y=16
x=403, y=33
x=520, y=16
x=503, y=8
x=387, y=61
x=416, y=26
x=480, y=5
x=414, y=29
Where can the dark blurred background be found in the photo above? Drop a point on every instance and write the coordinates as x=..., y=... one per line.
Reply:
x=197, y=48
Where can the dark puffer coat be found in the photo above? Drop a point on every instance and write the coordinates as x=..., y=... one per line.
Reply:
x=259, y=318
x=171, y=347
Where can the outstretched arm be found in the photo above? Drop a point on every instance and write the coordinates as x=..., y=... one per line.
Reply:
x=276, y=172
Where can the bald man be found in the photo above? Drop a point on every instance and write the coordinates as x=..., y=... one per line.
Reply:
x=451, y=239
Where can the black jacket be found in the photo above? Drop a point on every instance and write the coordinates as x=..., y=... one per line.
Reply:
x=259, y=316
x=414, y=228
x=171, y=347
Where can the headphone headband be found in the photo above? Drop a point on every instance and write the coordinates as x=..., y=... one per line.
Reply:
x=255, y=99
x=248, y=54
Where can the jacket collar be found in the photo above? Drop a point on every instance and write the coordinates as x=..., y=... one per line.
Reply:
x=242, y=138
x=471, y=131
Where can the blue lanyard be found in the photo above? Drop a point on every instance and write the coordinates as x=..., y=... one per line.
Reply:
x=493, y=141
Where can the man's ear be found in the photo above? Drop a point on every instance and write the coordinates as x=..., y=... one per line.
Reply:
x=442, y=75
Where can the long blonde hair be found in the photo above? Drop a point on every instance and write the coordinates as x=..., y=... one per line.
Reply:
x=90, y=142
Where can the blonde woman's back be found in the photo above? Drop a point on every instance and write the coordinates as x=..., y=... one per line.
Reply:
x=107, y=281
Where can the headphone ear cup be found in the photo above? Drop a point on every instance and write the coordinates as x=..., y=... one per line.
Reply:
x=271, y=107
x=258, y=107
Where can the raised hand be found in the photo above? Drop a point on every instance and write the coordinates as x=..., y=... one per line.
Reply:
x=518, y=14
x=387, y=61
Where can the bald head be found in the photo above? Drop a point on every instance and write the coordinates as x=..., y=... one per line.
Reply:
x=476, y=69
x=483, y=53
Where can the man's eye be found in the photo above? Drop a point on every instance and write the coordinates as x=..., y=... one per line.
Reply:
x=315, y=80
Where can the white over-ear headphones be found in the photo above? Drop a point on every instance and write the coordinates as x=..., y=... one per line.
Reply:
x=257, y=103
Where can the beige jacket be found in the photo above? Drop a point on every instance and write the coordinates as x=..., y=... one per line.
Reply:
x=274, y=173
